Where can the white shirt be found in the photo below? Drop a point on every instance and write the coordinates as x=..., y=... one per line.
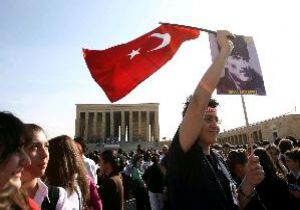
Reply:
x=91, y=168
x=42, y=193
x=75, y=200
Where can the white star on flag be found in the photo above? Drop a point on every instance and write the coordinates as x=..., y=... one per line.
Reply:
x=134, y=53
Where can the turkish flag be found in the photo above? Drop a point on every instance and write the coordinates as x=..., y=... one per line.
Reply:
x=119, y=69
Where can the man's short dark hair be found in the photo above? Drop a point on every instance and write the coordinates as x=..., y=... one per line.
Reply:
x=277, y=140
x=212, y=104
x=265, y=143
x=228, y=145
x=285, y=145
x=293, y=154
x=240, y=48
x=293, y=139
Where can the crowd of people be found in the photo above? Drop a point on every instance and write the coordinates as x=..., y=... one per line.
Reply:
x=192, y=173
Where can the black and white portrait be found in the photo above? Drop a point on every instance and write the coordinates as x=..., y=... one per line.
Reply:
x=242, y=72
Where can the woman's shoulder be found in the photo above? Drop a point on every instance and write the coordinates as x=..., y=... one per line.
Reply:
x=109, y=183
x=117, y=181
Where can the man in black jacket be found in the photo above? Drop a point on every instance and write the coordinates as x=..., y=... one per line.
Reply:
x=154, y=179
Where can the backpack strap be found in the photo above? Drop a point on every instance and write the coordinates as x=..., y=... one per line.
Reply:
x=79, y=195
x=53, y=195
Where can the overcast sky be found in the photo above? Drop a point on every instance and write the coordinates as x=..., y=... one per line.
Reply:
x=43, y=73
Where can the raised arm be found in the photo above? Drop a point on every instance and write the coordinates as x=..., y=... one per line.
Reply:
x=192, y=122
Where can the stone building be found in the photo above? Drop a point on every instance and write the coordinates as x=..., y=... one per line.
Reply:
x=117, y=123
x=282, y=126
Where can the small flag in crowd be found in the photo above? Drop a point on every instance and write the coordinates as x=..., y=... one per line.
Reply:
x=119, y=69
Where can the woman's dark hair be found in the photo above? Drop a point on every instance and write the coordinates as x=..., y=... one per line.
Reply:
x=108, y=157
x=11, y=140
x=29, y=131
x=278, y=164
x=235, y=157
x=11, y=134
x=66, y=166
x=80, y=141
x=266, y=162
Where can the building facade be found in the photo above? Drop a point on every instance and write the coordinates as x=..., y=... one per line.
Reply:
x=282, y=126
x=113, y=123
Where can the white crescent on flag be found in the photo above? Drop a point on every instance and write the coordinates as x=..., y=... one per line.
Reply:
x=166, y=39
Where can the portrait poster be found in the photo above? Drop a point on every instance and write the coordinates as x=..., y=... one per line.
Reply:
x=242, y=73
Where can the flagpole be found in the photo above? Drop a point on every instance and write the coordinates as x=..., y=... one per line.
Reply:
x=197, y=28
x=192, y=27
x=249, y=136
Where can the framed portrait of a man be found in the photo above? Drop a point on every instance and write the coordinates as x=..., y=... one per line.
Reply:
x=242, y=73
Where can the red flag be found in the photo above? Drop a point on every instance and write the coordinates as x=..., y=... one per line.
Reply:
x=120, y=69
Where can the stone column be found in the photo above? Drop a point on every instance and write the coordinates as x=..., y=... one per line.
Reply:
x=95, y=124
x=139, y=122
x=126, y=133
x=77, y=124
x=103, y=131
x=86, y=130
x=112, y=123
x=156, y=126
x=148, y=131
x=123, y=129
x=130, y=130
